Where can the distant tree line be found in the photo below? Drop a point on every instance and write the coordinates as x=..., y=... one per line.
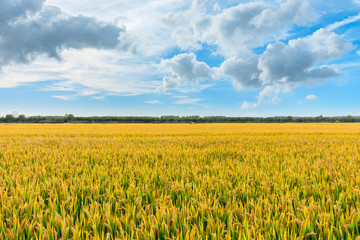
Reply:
x=70, y=118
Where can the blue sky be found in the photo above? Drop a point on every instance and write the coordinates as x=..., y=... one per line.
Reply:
x=172, y=57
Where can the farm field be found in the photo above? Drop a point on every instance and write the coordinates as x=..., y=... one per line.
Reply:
x=180, y=181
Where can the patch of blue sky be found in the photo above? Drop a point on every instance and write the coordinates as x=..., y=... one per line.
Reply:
x=208, y=55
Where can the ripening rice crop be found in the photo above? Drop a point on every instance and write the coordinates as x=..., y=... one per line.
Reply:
x=180, y=181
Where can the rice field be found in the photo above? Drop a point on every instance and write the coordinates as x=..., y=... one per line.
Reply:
x=180, y=181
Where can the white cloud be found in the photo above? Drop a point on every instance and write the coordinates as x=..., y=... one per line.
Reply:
x=81, y=93
x=268, y=95
x=244, y=72
x=311, y=97
x=185, y=25
x=184, y=69
x=280, y=68
x=327, y=45
x=344, y=22
x=216, y=7
x=358, y=52
x=294, y=63
x=105, y=71
x=65, y=98
x=19, y=75
x=98, y=97
x=187, y=101
x=285, y=66
x=253, y=24
x=249, y=105
x=157, y=27
x=154, y=102
x=237, y=28
x=88, y=70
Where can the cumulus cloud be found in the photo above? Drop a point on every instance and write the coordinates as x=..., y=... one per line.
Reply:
x=311, y=97
x=184, y=69
x=249, y=25
x=244, y=72
x=284, y=66
x=295, y=62
x=186, y=26
x=237, y=28
x=281, y=67
x=29, y=29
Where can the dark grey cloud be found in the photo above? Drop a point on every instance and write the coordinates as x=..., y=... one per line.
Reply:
x=10, y=9
x=29, y=29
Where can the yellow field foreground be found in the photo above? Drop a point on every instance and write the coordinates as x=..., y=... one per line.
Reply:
x=180, y=181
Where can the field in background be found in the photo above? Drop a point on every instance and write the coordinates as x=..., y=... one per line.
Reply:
x=180, y=181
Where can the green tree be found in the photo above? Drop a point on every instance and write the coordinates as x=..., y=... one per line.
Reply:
x=9, y=118
x=22, y=118
x=69, y=118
